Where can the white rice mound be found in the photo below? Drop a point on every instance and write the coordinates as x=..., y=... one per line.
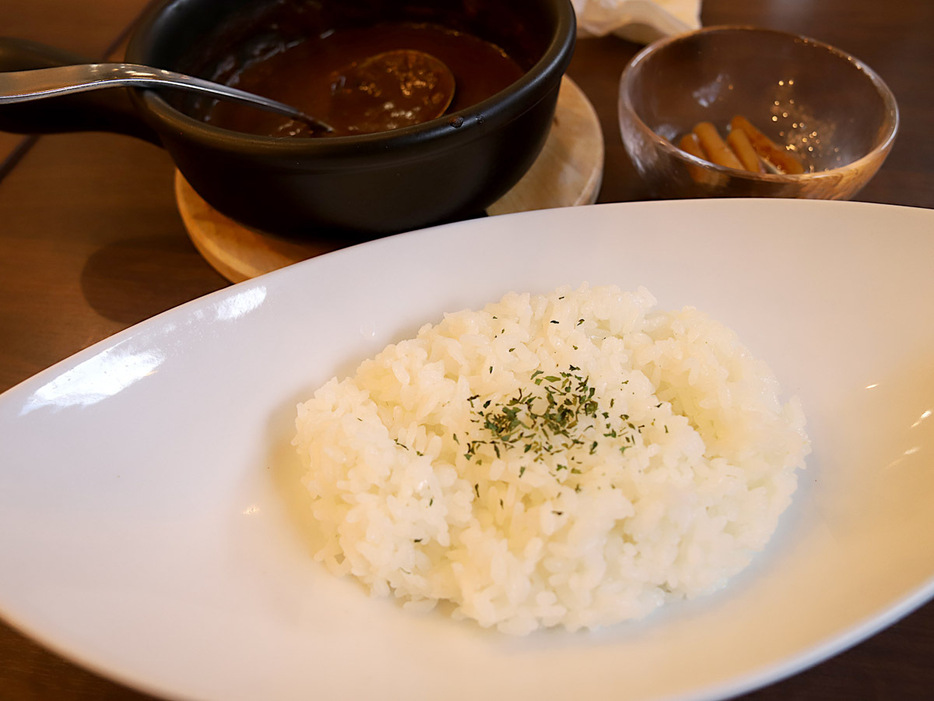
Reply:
x=665, y=473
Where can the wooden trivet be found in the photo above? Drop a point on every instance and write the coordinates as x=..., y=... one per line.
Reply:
x=568, y=172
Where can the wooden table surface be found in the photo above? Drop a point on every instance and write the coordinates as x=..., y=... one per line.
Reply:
x=91, y=242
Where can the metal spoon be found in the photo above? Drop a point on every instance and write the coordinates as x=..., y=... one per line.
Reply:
x=390, y=90
x=41, y=83
x=383, y=92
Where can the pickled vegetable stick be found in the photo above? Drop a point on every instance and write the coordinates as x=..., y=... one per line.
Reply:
x=742, y=147
x=691, y=144
x=776, y=155
x=715, y=147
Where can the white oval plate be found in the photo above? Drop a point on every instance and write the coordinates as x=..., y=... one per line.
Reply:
x=151, y=526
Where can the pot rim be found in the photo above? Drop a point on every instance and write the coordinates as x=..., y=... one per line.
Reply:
x=470, y=123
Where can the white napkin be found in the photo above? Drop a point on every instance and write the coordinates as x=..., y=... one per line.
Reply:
x=642, y=21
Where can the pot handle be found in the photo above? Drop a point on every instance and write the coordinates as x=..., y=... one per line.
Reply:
x=103, y=110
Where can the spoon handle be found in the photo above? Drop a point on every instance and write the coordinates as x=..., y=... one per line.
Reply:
x=24, y=86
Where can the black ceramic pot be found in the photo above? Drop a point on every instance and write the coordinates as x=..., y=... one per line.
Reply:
x=363, y=186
